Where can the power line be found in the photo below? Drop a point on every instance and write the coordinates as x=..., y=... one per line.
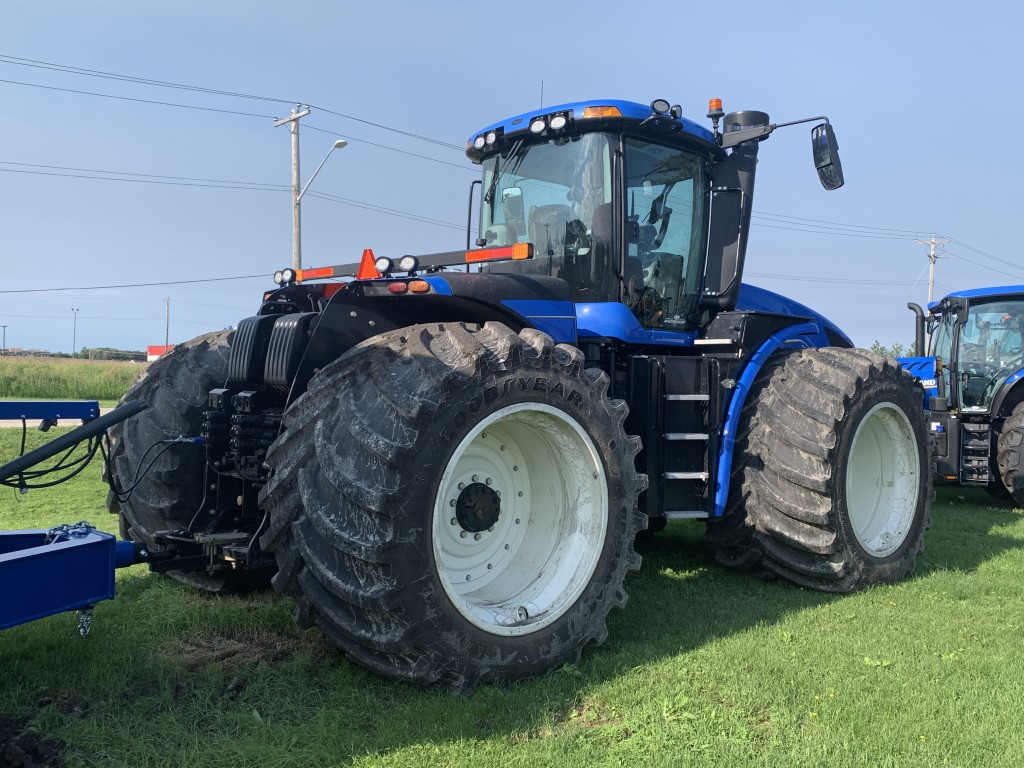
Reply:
x=132, y=98
x=813, y=279
x=829, y=231
x=838, y=223
x=394, y=149
x=240, y=185
x=134, y=285
x=35, y=63
x=146, y=175
x=5, y=59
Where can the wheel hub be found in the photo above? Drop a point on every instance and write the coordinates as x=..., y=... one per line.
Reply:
x=478, y=507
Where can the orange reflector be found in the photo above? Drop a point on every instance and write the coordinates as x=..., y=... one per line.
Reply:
x=313, y=274
x=951, y=477
x=419, y=286
x=367, y=268
x=515, y=252
x=714, y=105
x=398, y=288
x=601, y=112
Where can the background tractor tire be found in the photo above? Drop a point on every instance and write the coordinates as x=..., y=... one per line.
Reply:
x=1010, y=454
x=831, y=486
x=168, y=496
x=455, y=505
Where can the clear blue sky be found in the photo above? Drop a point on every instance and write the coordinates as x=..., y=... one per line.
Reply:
x=923, y=95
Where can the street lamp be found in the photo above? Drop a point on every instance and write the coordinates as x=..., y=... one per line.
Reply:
x=339, y=144
x=297, y=212
x=74, y=332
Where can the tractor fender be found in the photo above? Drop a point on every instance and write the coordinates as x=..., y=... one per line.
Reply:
x=800, y=335
x=1009, y=395
x=366, y=308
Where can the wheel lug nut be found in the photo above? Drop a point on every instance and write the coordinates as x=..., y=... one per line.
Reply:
x=451, y=503
x=476, y=537
x=476, y=478
x=489, y=481
x=520, y=494
x=463, y=534
x=462, y=486
x=454, y=521
x=515, y=468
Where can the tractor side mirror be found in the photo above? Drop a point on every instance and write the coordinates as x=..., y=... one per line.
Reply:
x=826, y=156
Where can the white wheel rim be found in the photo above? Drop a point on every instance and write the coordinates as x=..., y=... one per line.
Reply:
x=529, y=567
x=883, y=480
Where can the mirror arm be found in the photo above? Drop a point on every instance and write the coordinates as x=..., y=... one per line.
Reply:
x=760, y=133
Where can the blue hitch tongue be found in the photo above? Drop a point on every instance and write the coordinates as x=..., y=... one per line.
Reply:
x=67, y=568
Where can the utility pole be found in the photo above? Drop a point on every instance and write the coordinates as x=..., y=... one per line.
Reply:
x=4, y=352
x=74, y=332
x=293, y=125
x=931, y=261
x=167, y=324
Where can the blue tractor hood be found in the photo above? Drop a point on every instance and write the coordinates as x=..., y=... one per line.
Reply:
x=757, y=299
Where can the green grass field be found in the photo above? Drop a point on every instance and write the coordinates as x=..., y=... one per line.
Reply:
x=65, y=379
x=704, y=668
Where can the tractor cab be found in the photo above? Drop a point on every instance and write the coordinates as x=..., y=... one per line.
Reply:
x=628, y=203
x=979, y=338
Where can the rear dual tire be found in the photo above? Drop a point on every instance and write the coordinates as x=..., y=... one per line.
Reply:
x=831, y=486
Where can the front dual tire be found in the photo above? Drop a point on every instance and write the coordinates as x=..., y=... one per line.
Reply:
x=456, y=505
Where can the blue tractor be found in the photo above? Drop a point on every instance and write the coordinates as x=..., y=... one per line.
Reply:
x=974, y=387
x=447, y=460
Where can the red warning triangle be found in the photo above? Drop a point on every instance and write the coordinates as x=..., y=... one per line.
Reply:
x=367, y=267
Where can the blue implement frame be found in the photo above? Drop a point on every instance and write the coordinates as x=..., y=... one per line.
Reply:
x=70, y=567
x=43, y=574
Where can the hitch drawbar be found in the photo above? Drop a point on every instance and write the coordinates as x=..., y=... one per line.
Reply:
x=69, y=567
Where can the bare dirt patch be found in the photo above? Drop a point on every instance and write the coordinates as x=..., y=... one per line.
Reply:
x=245, y=649
x=22, y=748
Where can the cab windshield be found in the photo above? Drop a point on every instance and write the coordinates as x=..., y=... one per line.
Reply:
x=989, y=350
x=559, y=196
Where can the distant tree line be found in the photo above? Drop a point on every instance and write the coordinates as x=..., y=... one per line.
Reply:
x=86, y=353
x=896, y=350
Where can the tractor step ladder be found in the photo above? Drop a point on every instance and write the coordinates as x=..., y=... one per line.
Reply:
x=975, y=453
x=686, y=440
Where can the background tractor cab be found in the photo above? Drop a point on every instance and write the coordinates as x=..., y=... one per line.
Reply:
x=972, y=373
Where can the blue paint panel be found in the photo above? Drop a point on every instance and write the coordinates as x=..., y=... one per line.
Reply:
x=629, y=109
x=1014, y=379
x=438, y=284
x=922, y=369
x=39, y=579
x=973, y=293
x=555, y=318
x=49, y=409
x=613, y=320
x=803, y=335
x=752, y=298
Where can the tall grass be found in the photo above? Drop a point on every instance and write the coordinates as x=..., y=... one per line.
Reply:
x=59, y=379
